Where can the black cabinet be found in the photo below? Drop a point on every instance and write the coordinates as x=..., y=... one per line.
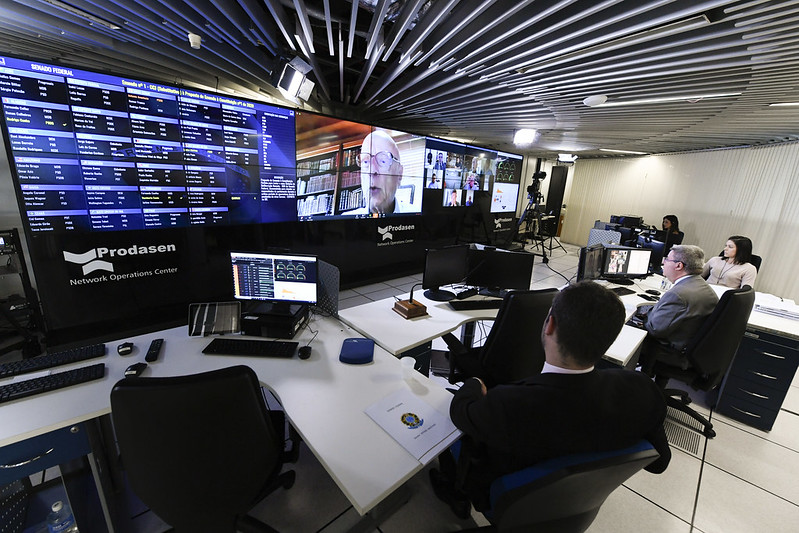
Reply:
x=759, y=378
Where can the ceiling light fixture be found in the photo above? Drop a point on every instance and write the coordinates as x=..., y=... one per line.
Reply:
x=786, y=104
x=195, y=40
x=567, y=158
x=524, y=136
x=595, y=100
x=666, y=99
x=82, y=14
x=621, y=151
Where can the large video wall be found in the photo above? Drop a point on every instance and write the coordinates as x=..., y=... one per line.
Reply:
x=131, y=193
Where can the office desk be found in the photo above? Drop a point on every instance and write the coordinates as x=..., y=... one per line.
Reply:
x=396, y=335
x=323, y=398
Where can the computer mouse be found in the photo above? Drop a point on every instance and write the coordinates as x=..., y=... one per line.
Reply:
x=653, y=292
x=135, y=369
x=304, y=352
x=125, y=348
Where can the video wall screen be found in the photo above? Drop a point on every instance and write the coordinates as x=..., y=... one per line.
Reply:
x=352, y=170
x=95, y=152
x=506, y=182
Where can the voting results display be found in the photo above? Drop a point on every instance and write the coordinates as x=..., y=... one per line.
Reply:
x=96, y=152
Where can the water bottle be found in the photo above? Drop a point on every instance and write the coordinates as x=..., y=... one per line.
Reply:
x=60, y=520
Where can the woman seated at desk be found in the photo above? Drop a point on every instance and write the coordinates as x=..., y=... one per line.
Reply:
x=671, y=234
x=733, y=267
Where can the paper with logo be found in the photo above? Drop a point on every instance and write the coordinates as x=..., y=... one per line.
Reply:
x=412, y=422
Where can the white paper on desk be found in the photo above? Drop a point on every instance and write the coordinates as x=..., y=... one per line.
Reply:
x=412, y=422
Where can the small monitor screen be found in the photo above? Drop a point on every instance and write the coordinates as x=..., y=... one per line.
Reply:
x=590, y=263
x=444, y=266
x=274, y=277
x=500, y=269
x=626, y=262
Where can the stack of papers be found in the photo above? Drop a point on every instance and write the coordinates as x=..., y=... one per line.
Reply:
x=784, y=313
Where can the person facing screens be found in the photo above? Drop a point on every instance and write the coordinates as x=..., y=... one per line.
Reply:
x=733, y=267
x=570, y=407
x=274, y=281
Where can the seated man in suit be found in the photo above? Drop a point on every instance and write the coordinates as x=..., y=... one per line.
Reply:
x=570, y=407
x=674, y=320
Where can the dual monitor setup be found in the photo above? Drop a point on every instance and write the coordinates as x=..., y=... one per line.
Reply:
x=491, y=270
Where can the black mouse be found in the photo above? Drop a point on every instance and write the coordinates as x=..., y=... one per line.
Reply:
x=304, y=352
x=653, y=292
x=135, y=369
x=125, y=348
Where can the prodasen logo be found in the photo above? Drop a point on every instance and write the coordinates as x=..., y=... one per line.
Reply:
x=95, y=259
x=385, y=233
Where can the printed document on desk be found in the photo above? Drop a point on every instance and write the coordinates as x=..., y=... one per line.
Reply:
x=418, y=427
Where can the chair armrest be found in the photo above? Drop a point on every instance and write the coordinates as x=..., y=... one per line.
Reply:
x=454, y=344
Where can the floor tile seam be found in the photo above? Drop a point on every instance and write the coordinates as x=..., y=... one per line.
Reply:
x=650, y=500
x=332, y=520
x=748, y=432
x=751, y=484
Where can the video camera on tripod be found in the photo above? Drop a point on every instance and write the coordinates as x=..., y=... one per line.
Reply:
x=534, y=189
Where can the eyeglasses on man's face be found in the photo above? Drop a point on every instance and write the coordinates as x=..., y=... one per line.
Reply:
x=383, y=160
x=671, y=260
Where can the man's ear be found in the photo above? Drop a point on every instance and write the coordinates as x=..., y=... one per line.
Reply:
x=549, y=325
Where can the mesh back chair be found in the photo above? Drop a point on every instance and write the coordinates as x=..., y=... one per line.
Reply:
x=596, y=236
x=513, y=348
x=200, y=450
x=706, y=359
x=564, y=494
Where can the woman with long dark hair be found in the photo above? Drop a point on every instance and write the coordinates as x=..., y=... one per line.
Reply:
x=733, y=267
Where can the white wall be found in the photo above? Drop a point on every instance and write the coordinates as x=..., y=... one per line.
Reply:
x=715, y=194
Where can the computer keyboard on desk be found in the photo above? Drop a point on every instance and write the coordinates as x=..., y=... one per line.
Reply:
x=245, y=347
x=622, y=291
x=469, y=305
x=50, y=360
x=58, y=380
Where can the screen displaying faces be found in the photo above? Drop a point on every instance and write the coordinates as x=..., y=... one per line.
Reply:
x=351, y=170
x=94, y=152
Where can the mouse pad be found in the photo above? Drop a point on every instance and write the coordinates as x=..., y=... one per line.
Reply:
x=357, y=351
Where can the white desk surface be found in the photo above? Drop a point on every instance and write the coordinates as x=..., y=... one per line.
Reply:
x=378, y=321
x=395, y=334
x=323, y=398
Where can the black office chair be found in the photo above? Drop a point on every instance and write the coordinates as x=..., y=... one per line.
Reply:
x=513, y=348
x=706, y=359
x=756, y=260
x=201, y=450
x=562, y=495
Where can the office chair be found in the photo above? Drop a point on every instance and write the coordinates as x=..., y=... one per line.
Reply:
x=596, y=236
x=564, y=494
x=756, y=260
x=201, y=450
x=512, y=350
x=706, y=359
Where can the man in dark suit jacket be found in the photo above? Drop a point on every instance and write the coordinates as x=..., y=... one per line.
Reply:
x=570, y=407
x=674, y=320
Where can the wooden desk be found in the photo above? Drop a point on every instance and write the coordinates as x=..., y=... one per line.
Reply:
x=323, y=398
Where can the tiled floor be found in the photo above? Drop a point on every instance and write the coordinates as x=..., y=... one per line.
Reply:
x=742, y=481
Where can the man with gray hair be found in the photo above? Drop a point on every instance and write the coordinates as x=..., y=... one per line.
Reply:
x=677, y=316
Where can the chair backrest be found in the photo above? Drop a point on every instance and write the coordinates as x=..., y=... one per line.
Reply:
x=756, y=261
x=513, y=348
x=564, y=494
x=713, y=347
x=596, y=236
x=198, y=449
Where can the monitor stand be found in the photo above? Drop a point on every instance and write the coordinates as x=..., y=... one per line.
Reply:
x=496, y=293
x=275, y=308
x=622, y=281
x=439, y=295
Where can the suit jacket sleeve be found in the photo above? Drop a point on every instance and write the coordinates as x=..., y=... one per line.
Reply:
x=481, y=417
x=661, y=319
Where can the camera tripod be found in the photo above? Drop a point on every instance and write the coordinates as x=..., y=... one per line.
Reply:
x=532, y=220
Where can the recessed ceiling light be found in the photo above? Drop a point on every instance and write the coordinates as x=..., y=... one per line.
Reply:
x=689, y=98
x=595, y=100
x=524, y=136
x=785, y=104
x=82, y=14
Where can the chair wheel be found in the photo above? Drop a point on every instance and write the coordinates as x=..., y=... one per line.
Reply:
x=710, y=433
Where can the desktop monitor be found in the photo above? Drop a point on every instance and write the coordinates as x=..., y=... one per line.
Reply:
x=621, y=264
x=657, y=247
x=444, y=266
x=274, y=281
x=589, y=266
x=497, y=270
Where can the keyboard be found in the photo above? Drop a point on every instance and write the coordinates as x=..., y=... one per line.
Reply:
x=265, y=348
x=468, y=305
x=622, y=291
x=50, y=360
x=59, y=380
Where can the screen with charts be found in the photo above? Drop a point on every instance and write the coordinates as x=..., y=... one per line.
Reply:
x=274, y=277
x=97, y=152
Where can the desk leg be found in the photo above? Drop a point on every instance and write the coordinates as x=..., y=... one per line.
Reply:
x=390, y=505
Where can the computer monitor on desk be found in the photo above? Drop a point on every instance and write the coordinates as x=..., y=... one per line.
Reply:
x=657, y=248
x=495, y=271
x=444, y=266
x=274, y=283
x=618, y=264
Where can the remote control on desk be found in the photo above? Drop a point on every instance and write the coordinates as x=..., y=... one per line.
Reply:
x=153, y=350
